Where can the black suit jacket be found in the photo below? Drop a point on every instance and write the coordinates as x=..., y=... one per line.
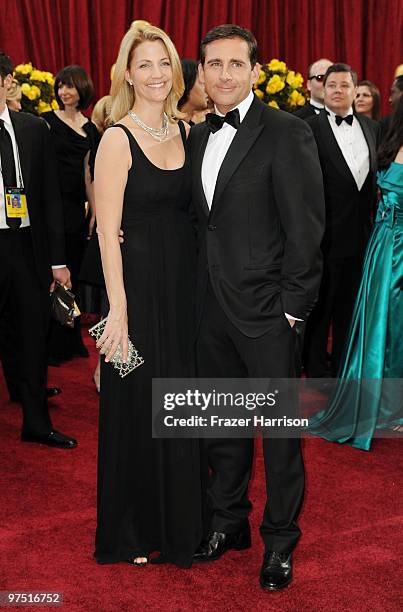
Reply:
x=348, y=210
x=261, y=240
x=39, y=172
x=308, y=110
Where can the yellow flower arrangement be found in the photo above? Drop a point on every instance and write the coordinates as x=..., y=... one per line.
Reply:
x=279, y=87
x=37, y=89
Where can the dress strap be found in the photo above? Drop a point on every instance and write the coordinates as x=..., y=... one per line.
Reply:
x=130, y=136
x=183, y=133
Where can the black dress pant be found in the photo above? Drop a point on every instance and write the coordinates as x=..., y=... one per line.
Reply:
x=224, y=352
x=25, y=303
x=340, y=281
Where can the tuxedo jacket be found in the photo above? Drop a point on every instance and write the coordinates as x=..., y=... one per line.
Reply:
x=348, y=209
x=39, y=173
x=260, y=242
x=308, y=110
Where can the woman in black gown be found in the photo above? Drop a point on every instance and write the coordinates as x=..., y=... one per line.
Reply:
x=76, y=139
x=149, y=490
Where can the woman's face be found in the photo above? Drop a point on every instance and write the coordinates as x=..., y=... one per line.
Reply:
x=150, y=71
x=364, y=101
x=198, y=98
x=68, y=94
x=15, y=105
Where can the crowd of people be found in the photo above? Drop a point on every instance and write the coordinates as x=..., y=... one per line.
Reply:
x=175, y=202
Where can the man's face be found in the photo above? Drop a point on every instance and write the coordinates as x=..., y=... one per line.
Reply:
x=315, y=86
x=339, y=92
x=395, y=94
x=5, y=84
x=227, y=73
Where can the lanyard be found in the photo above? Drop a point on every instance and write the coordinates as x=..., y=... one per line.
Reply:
x=19, y=171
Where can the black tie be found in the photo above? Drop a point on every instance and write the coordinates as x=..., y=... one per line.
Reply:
x=348, y=119
x=215, y=122
x=8, y=169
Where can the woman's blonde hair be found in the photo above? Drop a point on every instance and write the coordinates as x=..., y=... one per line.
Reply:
x=14, y=93
x=101, y=112
x=123, y=95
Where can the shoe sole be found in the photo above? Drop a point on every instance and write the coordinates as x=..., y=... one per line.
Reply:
x=272, y=589
x=215, y=558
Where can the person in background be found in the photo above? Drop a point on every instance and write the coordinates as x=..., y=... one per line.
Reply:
x=396, y=91
x=33, y=257
x=365, y=398
x=194, y=102
x=314, y=84
x=347, y=146
x=91, y=275
x=368, y=100
x=75, y=139
x=14, y=96
x=101, y=112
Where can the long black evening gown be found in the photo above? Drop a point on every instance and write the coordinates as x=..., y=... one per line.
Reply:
x=149, y=490
x=71, y=149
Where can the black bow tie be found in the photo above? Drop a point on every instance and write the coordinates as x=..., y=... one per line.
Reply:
x=215, y=122
x=348, y=119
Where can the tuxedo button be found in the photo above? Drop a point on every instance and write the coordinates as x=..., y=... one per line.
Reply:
x=211, y=228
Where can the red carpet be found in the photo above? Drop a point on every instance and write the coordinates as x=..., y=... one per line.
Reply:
x=349, y=556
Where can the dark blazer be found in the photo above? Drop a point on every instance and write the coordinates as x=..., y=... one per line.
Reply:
x=261, y=240
x=38, y=164
x=308, y=110
x=348, y=210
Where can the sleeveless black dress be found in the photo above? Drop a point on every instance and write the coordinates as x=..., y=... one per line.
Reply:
x=149, y=490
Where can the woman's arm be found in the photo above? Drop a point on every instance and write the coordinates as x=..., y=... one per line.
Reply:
x=111, y=167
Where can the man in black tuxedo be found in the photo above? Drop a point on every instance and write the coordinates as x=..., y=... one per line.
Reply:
x=314, y=84
x=347, y=150
x=32, y=255
x=258, y=195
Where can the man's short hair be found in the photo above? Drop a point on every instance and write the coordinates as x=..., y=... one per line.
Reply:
x=341, y=68
x=75, y=76
x=230, y=30
x=6, y=65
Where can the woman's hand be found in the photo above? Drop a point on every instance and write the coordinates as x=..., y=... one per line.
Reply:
x=115, y=334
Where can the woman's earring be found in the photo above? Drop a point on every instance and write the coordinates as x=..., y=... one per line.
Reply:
x=131, y=83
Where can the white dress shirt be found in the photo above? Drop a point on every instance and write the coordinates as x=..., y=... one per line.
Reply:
x=317, y=106
x=5, y=115
x=353, y=145
x=216, y=149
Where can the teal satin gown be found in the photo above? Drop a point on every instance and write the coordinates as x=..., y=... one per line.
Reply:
x=369, y=394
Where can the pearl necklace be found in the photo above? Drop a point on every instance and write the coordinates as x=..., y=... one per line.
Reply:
x=159, y=134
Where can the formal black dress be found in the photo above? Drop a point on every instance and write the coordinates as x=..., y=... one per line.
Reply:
x=149, y=491
x=71, y=150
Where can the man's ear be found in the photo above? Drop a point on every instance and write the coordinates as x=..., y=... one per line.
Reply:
x=255, y=73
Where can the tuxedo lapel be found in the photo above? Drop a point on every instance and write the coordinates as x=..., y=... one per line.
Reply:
x=24, y=145
x=243, y=140
x=333, y=149
x=371, y=142
x=197, y=167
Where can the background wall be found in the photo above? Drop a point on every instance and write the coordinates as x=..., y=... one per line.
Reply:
x=368, y=34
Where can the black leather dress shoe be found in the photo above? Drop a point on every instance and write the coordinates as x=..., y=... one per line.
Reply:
x=53, y=438
x=53, y=391
x=218, y=543
x=276, y=572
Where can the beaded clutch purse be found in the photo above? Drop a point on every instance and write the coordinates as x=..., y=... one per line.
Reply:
x=134, y=359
